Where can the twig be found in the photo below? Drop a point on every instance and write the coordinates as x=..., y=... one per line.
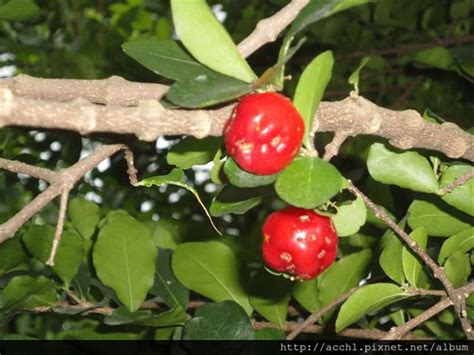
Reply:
x=131, y=170
x=22, y=168
x=413, y=47
x=400, y=331
x=59, y=225
x=458, y=182
x=458, y=300
x=267, y=30
x=332, y=149
x=374, y=334
x=69, y=176
x=319, y=313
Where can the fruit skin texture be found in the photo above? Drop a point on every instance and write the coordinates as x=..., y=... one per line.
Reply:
x=299, y=242
x=264, y=133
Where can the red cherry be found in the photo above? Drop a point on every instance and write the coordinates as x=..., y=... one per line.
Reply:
x=264, y=133
x=299, y=242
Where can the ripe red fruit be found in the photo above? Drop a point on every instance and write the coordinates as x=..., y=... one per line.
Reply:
x=299, y=242
x=264, y=133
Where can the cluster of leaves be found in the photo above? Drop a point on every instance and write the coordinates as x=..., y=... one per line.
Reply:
x=125, y=260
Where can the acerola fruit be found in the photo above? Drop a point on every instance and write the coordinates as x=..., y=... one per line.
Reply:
x=299, y=242
x=264, y=133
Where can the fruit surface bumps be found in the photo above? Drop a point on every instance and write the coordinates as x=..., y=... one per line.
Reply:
x=299, y=242
x=264, y=133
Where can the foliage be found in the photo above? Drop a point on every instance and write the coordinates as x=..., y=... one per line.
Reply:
x=123, y=248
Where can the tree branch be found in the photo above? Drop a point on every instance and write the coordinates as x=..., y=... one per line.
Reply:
x=458, y=182
x=268, y=29
x=66, y=177
x=22, y=168
x=457, y=299
x=400, y=331
x=59, y=225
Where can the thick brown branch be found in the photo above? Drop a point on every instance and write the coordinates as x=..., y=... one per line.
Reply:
x=112, y=91
x=354, y=115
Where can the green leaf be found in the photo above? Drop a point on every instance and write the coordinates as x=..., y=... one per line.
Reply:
x=310, y=89
x=191, y=151
x=82, y=281
x=354, y=78
x=39, y=241
x=198, y=28
x=84, y=215
x=350, y=217
x=270, y=295
x=206, y=90
x=458, y=268
x=408, y=170
x=462, y=241
x=391, y=257
x=18, y=10
x=344, y=275
x=236, y=201
x=212, y=270
x=437, y=222
x=366, y=300
x=308, y=182
x=437, y=57
x=412, y=266
x=166, y=286
x=219, y=321
x=165, y=58
x=165, y=233
x=12, y=255
x=28, y=292
x=461, y=197
x=242, y=178
x=124, y=257
x=306, y=293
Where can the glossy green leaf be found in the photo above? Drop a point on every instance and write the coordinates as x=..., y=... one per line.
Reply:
x=308, y=182
x=28, y=292
x=306, y=293
x=462, y=197
x=219, y=321
x=212, y=270
x=166, y=286
x=438, y=222
x=18, y=10
x=408, y=170
x=124, y=257
x=310, y=90
x=84, y=215
x=368, y=299
x=458, y=268
x=343, y=275
x=206, y=90
x=237, y=201
x=354, y=77
x=270, y=295
x=462, y=241
x=391, y=257
x=437, y=57
x=39, y=241
x=242, y=178
x=350, y=217
x=12, y=255
x=165, y=233
x=165, y=58
x=412, y=265
x=197, y=27
x=192, y=151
